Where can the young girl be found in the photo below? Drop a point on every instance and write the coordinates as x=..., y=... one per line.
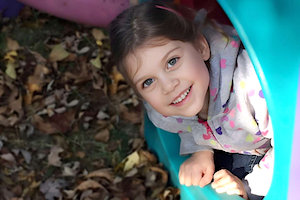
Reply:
x=197, y=81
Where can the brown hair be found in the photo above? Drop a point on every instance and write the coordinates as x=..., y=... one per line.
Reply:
x=140, y=24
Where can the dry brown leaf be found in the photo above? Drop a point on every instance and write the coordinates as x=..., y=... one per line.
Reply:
x=39, y=59
x=163, y=173
x=12, y=45
x=81, y=74
x=147, y=156
x=71, y=57
x=45, y=127
x=69, y=194
x=63, y=122
x=53, y=157
x=116, y=77
x=103, y=136
x=35, y=82
x=4, y=121
x=133, y=117
x=17, y=190
x=137, y=143
x=9, y=157
x=88, y=184
x=102, y=173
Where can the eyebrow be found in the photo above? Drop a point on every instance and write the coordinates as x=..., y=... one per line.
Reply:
x=164, y=58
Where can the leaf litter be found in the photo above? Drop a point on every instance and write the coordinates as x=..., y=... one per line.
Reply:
x=70, y=127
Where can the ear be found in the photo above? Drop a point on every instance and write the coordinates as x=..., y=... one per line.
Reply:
x=204, y=48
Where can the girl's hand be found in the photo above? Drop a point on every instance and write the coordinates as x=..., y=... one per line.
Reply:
x=225, y=181
x=198, y=169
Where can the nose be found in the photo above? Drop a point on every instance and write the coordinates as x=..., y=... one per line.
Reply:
x=169, y=84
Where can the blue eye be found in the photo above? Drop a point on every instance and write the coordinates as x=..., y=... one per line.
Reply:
x=148, y=82
x=172, y=62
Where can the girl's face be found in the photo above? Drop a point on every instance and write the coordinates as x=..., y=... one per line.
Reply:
x=172, y=77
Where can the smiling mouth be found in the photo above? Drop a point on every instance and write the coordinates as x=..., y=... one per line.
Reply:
x=182, y=96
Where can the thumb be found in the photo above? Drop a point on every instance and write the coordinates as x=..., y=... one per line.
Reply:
x=207, y=178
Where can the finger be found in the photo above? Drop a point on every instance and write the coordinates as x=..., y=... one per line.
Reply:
x=196, y=178
x=228, y=186
x=221, y=182
x=234, y=191
x=188, y=180
x=181, y=176
x=221, y=173
x=206, y=179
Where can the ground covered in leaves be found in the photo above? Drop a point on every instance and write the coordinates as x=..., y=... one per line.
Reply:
x=70, y=127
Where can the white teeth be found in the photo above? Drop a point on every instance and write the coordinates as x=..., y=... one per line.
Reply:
x=179, y=99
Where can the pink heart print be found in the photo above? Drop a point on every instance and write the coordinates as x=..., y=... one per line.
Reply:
x=223, y=63
x=234, y=44
x=264, y=133
x=206, y=136
x=213, y=92
x=232, y=113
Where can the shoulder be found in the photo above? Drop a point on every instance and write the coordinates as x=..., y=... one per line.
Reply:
x=245, y=68
x=160, y=121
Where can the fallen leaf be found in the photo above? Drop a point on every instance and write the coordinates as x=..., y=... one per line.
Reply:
x=63, y=122
x=35, y=83
x=137, y=143
x=12, y=45
x=80, y=154
x=96, y=62
x=51, y=188
x=131, y=160
x=26, y=155
x=103, y=136
x=45, y=127
x=26, y=129
x=58, y=53
x=133, y=117
x=164, y=175
x=102, y=173
x=71, y=169
x=9, y=157
x=53, y=157
x=85, y=194
x=147, y=156
x=7, y=195
x=10, y=56
x=98, y=34
x=88, y=184
x=102, y=115
x=116, y=78
x=17, y=190
x=11, y=70
x=69, y=194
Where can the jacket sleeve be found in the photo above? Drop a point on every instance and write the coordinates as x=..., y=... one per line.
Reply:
x=260, y=178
